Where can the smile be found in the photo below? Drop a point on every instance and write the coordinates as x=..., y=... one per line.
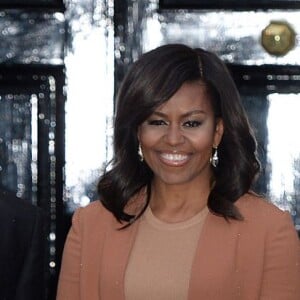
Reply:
x=174, y=159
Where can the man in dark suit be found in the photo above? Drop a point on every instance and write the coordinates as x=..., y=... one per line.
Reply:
x=22, y=248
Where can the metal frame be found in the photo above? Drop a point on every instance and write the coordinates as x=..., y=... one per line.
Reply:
x=229, y=4
x=57, y=5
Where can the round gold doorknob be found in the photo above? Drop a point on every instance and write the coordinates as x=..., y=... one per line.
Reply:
x=278, y=38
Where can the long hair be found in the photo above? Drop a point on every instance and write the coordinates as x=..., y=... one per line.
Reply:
x=153, y=80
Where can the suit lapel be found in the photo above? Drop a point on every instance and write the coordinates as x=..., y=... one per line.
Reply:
x=116, y=250
x=216, y=260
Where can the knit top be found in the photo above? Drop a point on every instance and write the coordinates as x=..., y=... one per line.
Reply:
x=161, y=259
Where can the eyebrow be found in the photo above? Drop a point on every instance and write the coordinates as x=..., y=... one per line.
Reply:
x=187, y=114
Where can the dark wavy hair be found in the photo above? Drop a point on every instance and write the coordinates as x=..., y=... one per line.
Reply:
x=151, y=81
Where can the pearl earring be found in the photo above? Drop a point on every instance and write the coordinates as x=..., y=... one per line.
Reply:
x=140, y=153
x=214, y=159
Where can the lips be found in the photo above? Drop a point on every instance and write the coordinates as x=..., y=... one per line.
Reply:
x=174, y=159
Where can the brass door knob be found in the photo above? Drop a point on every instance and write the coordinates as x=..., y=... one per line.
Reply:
x=278, y=38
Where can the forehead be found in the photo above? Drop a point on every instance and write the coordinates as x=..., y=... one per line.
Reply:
x=190, y=96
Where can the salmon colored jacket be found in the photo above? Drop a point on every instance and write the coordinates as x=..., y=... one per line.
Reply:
x=254, y=259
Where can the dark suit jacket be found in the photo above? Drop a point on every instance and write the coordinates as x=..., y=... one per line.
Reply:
x=22, y=249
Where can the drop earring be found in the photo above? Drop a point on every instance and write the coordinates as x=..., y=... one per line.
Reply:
x=140, y=153
x=214, y=160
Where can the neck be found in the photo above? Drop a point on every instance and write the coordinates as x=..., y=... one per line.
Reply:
x=175, y=203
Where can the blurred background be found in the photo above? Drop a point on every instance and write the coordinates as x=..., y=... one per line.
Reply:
x=61, y=63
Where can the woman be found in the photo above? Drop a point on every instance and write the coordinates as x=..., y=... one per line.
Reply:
x=176, y=217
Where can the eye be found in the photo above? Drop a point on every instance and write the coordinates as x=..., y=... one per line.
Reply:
x=157, y=122
x=192, y=124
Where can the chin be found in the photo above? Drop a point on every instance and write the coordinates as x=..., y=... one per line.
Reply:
x=174, y=180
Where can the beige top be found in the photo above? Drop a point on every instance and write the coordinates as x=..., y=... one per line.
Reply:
x=161, y=260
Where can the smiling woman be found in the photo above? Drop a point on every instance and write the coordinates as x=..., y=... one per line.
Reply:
x=178, y=138
x=176, y=203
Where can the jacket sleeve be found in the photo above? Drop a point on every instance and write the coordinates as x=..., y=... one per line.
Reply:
x=69, y=278
x=31, y=283
x=281, y=277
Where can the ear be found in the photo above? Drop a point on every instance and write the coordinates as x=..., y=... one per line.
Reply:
x=219, y=130
x=138, y=133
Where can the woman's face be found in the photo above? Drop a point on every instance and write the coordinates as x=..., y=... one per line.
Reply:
x=177, y=139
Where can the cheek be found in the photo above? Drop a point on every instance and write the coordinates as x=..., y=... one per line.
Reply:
x=203, y=140
x=203, y=146
x=148, y=137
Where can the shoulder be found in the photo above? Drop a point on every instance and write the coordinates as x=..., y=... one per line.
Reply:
x=262, y=216
x=268, y=234
x=93, y=214
x=22, y=225
x=255, y=206
x=93, y=209
x=13, y=207
x=89, y=227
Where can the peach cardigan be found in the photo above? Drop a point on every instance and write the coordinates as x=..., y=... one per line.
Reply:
x=254, y=259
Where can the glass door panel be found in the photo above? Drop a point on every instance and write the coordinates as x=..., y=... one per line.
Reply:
x=271, y=97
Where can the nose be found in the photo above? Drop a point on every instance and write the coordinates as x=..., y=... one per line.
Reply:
x=174, y=136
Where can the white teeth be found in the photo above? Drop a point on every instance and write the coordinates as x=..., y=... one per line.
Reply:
x=174, y=157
